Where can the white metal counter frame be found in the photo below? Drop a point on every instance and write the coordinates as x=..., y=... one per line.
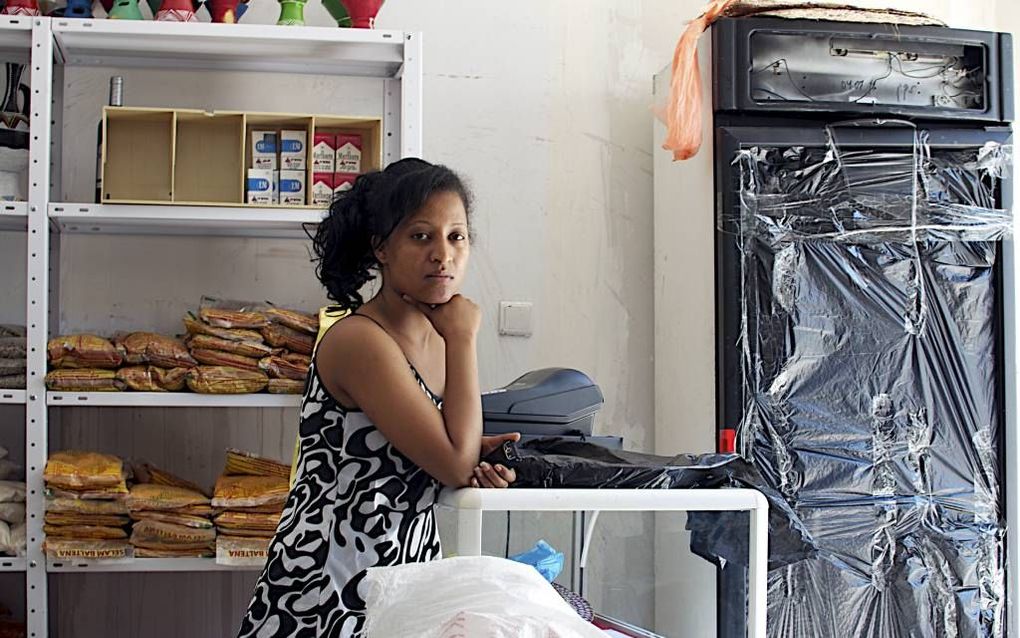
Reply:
x=470, y=503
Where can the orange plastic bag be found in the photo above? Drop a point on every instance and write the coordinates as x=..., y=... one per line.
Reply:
x=683, y=113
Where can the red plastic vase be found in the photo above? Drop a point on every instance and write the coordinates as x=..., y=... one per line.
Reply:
x=223, y=10
x=363, y=12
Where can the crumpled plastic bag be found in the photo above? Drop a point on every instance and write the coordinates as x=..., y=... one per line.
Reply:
x=544, y=558
x=467, y=597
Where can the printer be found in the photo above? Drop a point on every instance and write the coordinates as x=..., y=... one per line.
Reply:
x=556, y=402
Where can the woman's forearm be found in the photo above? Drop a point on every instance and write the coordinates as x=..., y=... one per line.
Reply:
x=462, y=403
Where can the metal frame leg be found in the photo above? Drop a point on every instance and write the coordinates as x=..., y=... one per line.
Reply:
x=758, y=569
x=469, y=533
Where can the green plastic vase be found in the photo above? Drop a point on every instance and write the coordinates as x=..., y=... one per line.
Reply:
x=338, y=11
x=126, y=10
x=292, y=13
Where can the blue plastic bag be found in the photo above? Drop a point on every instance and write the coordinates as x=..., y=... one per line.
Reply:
x=544, y=558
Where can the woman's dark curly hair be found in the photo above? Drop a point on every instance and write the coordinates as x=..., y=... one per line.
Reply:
x=364, y=216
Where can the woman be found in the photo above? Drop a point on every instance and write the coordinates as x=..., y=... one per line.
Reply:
x=375, y=439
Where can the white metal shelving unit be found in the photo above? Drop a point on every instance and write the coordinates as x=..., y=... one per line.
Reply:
x=53, y=44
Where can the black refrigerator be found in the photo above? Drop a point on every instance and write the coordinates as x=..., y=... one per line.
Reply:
x=862, y=205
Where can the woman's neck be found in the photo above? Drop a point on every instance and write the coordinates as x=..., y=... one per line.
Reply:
x=400, y=317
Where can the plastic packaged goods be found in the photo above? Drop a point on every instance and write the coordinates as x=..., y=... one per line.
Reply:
x=248, y=463
x=297, y=357
x=84, y=532
x=196, y=326
x=201, y=552
x=153, y=379
x=100, y=494
x=283, y=337
x=280, y=368
x=473, y=597
x=12, y=492
x=68, y=549
x=84, y=380
x=294, y=319
x=227, y=313
x=13, y=382
x=173, y=518
x=86, y=506
x=70, y=518
x=241, y=551
x=233, y=492
x=155, y=349
x=145, y=472
x=245, y=348
x=156, y=497
x=225, y=380
x=227, y=359
x=12, y=513
x=159, y=535
x=235, y=520
x=11, y=367
x=12, y=539
x=285, y=386
x=12, y=348
x=83, y=351
x=82, y=470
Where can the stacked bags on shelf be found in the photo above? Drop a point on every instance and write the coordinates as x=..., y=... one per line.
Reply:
x=12, y=507
x=171, y=517
x=248, y=347
x=251, y=493
x=230, y=348
x=86, y=512
x=12, y=357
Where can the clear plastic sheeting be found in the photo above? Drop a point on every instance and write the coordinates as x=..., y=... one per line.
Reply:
x=871, y=367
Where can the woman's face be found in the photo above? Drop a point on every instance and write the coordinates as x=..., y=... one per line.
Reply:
x=426, y=256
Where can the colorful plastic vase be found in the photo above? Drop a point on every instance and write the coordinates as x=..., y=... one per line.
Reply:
x=107, y=6
x=338, y=11
x=292, y=13
x=78, y=9
x=126, y=10
x=241, y=8
x=363, y=12
x=222, y=10
x=176, y=11
x=21, y=8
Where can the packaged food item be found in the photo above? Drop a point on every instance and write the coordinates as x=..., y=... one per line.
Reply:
x=232, y=492
x=243, y=348
x=101, y=494
x=322, y=189
x=280, y=368
x=68, y=518
x=300, y=321
x=82, y=470
x=87, y=507
x=153, y=379
x=348, y=153
x=154, y=349
x=197, y=510
x=237, y=551
x=158, y=535
x=82, y=351
x=220, y=358
x=242, y=463
x=285, y=386
x=283, y=337
x=292, y=188
x=12, y=513
x=324, y=153
x=196, y=326
x=13, y=348
x=292, y=151
x=83, y=380
x=148, y=473
x=203, y=552
x=9, y=367
x=156, y=497
x=84, y=532
x=12, y=492
x=173, y=518
x=263, y=150
x=247, y=521
x=226, y=380
x=67, y=549
x=249, y=533
x=297, y=357
x=233, y=318
x=13, y=539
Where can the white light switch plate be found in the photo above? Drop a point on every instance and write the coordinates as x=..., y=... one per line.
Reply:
x=515, y=318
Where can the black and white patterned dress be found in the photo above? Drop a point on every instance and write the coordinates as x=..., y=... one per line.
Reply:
x=356, y=503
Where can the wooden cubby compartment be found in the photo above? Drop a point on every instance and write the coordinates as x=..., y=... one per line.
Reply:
x=186, y=156
x=138, y=153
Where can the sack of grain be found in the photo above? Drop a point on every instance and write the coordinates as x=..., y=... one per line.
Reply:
x=13, y=348
x=84, y=380
x=87, y=507
x=83, y=351
x=12, y=492
x=300, y=321
x=225, y=380
x=196, y=326
x=153, y=496
x=247, y=521
x=237, y=551
x=155, y=349
x=13, y=382
x=297, y=357
x=66, y=518
x=146, y=472
x=285, y=386
x=280, y=368
x=251, y=464
x=283, y=337
x=232, y=492
x=243, y=348
x=82, y=470
x=157, y=535
x=173, y=518
x=228, y=359
x=232, y=318
x=85, y=532
x=201, y=552
x=68, y=549
x=153, y=379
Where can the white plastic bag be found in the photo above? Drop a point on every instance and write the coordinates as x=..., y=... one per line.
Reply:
x=467, y=597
